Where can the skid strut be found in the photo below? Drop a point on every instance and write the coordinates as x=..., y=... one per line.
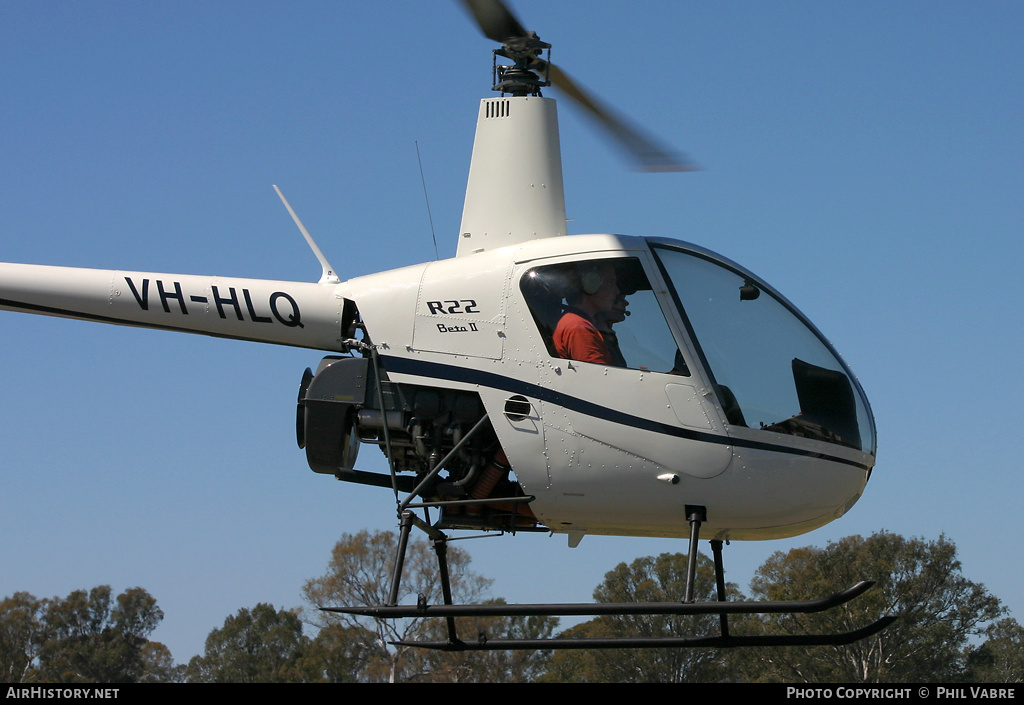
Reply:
x=722, y=607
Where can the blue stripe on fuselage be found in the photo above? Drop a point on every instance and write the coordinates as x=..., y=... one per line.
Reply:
x=467, y=375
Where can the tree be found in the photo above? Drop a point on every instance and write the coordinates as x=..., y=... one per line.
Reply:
x=159, y=665
x=360, y=573
x=88, y=637
x=1000, y=659
x=920, y=581
x=261, y=645
x=345, y=654
x=517, y=666
x=20, y=636
x=648, y=579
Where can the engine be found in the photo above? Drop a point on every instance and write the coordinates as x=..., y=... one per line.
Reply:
x=344, y=405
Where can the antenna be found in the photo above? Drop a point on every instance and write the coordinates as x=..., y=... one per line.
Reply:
x=328, y=277
x=427, y=199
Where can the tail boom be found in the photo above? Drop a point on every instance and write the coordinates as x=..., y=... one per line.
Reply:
x=297, y=314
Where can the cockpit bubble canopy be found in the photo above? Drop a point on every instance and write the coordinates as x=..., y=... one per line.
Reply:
x=771, y=368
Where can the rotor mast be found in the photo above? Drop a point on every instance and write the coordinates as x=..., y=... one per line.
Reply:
x=515, y=178
x=515, y=192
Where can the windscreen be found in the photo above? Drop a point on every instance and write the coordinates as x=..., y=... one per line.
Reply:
x=771, y=369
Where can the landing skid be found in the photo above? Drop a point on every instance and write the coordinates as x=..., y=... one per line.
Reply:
x=688, y=606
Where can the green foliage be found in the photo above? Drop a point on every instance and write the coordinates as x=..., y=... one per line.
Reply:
x=87, y=637
x=650, y=579
x=360, y=573
x=344, y=654
x=519, y=666
x=920, y=581
x=261, y=645
x=950, y=629
x=91, y=638
x=1000, y=659
x=159, y=665
x=21, y=636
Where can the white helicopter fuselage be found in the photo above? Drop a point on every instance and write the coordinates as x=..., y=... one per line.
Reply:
x=726, y=398
x=603, y=449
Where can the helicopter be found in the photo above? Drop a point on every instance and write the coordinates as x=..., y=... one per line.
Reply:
x=724, y=411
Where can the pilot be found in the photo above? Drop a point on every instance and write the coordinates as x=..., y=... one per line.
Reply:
x=577, y=336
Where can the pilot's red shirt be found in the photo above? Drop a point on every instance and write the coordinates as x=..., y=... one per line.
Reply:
x=576, y=338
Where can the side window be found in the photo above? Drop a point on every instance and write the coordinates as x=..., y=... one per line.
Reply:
x=602, y=311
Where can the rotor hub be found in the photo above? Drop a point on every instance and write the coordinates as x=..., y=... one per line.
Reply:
x=518, y=80
x=529, y=73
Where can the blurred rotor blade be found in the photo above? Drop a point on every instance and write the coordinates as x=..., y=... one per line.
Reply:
x=649, y=154
x=499, y=24
x=497, y=21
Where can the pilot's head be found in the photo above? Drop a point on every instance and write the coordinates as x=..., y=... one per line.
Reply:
x=598, y=288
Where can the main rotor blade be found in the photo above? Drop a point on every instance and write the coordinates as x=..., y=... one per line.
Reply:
x=495, y=20
x=649, y=154
x=499, y=24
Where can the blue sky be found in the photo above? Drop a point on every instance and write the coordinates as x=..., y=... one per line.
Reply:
x=865, y=158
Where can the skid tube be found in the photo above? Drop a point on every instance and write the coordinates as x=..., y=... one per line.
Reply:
x=688, y=606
